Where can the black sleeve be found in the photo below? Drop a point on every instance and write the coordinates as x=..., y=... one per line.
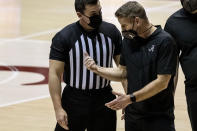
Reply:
x=122, y=61
x=117, y=42
x=59, y=50
x=167, y=57
x=169, y=28
x=122, y=56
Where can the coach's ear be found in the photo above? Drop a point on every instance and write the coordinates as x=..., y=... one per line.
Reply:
x=79, y=15
x=139, y=21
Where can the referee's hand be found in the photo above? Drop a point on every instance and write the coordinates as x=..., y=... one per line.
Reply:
x=61, y=117
x=90, y=63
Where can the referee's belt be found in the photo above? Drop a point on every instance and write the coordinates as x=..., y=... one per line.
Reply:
x=90, y=92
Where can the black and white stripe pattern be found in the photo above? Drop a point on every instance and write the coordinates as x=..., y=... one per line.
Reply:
x=101, y=49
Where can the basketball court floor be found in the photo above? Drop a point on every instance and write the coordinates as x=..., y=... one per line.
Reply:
x=26, y=30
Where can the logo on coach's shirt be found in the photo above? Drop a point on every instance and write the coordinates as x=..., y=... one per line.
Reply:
x=152, y=48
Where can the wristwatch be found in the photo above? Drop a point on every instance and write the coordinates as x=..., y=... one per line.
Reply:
x=132, y=98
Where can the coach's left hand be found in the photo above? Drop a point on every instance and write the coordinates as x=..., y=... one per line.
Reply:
x=120, y=102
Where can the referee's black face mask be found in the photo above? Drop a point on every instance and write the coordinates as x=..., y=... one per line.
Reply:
x=95, y=20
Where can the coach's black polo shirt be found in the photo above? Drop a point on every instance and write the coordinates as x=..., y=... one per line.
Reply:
x=183, y=27
x=144, y=60
x=70, y=44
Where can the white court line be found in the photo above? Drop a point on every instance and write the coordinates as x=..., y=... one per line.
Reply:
x=162, y=7
x=28, y=40
x=13, y=69
x=35, y=41
x=23, y=101
x=30, y=36
x=14, y=75
x=10, y=78
x=31, y=99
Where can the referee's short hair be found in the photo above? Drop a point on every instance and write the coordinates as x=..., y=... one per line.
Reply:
x=131, y=9
x=80, y=4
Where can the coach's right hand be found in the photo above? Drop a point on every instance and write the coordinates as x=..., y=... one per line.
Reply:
x=90, y=63
x=61, y=117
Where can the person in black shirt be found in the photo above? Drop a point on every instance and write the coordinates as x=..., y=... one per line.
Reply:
x=82, y=104
x=148, y=61
x=182, y=25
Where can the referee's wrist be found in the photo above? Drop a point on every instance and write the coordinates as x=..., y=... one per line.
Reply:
x=57, y=108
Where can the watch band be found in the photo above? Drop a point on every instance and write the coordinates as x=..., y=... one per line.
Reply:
x=132, y=98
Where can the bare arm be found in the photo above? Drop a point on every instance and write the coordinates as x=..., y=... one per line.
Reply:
x=56, y=69
x=153, y=88
x=115, y=74
x=125, y=85
x=117, y=60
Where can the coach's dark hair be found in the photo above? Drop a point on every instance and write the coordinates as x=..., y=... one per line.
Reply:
x=80, y=4
x=189, y=5
x=131, y=9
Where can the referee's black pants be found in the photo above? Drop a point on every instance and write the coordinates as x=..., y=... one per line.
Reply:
x=191, y=97
x=86, y=110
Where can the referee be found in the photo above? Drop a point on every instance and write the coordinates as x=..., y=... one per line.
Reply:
x=81, y=105
x=182, y=25
x=148, y=61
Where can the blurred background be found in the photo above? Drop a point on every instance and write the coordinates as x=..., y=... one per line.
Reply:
x=26, y=30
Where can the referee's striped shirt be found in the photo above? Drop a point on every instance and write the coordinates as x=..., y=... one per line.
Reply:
x=69, y=46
